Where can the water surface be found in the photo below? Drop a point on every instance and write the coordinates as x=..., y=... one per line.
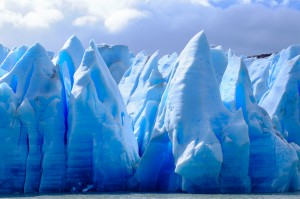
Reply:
x=158, y=196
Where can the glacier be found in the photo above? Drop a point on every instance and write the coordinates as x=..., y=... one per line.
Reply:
x=103, y=119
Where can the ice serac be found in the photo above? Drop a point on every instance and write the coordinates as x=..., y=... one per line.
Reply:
x=282, y=101
x=142, y=104
x=234, y=177
x=183, y=132
x=282, y=59
x=219, y=62
x=37, y=87
x=3, y=52
x=68, y=59
x=190, y=116
x=166, y=64
x=207, y=144
x=258, y=70
x=263, y=72
x=102, y=153
x=272, y=161
x=13, y=57
x=129, y=81
x=13, y=148
x=117, y=59
x=235, y=88
x=156, y=167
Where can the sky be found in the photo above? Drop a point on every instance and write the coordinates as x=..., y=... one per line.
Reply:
x=248, y=27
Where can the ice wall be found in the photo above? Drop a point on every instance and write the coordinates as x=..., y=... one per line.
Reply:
x=104, y=119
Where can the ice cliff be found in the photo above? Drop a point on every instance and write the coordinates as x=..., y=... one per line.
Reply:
x=103, y=119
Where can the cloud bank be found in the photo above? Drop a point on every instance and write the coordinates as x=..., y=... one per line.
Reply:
x=246, y=26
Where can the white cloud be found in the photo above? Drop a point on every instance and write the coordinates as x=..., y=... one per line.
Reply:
x=201, y=2
x=246, y=27
x=115, y=15
x=120, y=19
x=85, y=20
x=30, y=13
x=42, y=18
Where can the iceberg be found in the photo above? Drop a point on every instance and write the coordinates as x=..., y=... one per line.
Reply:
x=104, y=119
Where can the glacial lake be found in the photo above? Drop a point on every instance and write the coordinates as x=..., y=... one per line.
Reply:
x=158, y=196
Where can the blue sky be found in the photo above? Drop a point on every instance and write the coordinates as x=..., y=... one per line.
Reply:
x=246, y=26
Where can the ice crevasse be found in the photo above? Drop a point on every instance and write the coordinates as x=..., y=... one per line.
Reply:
x=104, y=119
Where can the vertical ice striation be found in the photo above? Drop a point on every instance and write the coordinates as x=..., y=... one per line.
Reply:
x=185, y=119
x=258, y=71
x=129, y=81
x=272, y=161
x=102, y=152
x=282, y=100
x=68, y=59
x=143, y=103
x=281, y=60
x=102, y=119
x=219, y=62
x=234, y=177
x=13, y=148
x=37, y=87
x=235, y=88
x=194, y=105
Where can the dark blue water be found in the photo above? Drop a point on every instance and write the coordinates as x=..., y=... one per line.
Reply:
x=159, y=196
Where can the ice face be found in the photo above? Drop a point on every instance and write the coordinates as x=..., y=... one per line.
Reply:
x=143, y=102
x=166, y=64
x=275, y=83
x=68, y=60
x=219, y=62
x=282, y=100
x=189, y=117
x=14, y=147
x=185, y=128
x=117, y=59
x=130, y=79
x=265, y=141
x=259, y=74
x=101, y=148
x=207, y=155
x=37, y=89
x=200, y=122
x=3, y=52
x=13, y=57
